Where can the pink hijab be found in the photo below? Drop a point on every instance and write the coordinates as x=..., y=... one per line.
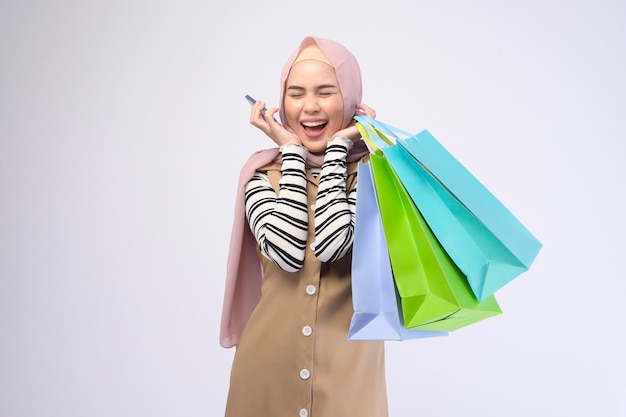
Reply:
x=243, y=269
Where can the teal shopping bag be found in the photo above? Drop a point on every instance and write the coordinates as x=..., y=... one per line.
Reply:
x=481, y=236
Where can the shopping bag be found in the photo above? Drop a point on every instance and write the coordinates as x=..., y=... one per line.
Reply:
x=482, y=236
x=376, y=311
x=434, y=293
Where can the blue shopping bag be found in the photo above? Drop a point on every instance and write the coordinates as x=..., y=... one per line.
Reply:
x=484, y=239
x=377, y=313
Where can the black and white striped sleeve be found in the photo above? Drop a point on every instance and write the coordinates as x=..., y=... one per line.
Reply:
x=280, y=223
x=334, y=208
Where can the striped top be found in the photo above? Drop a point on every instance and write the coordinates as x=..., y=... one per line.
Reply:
x=280, y=224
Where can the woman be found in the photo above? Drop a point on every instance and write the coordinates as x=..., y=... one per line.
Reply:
x=293, y=356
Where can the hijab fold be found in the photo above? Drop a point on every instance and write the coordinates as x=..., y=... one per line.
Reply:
x=243, y=269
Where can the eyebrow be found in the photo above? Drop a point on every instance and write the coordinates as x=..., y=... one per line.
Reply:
x=319, y=87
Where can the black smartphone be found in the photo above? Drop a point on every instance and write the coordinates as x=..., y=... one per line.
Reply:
x=252, y=101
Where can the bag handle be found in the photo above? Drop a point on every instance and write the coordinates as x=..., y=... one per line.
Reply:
x=375, y=140
x=367, y=139
x=385, y=128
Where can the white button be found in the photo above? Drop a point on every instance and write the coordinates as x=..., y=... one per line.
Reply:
x=313, y=207
x=310, y=289
x=306, y=330
x=312, y=246
x=304, y=412
x=304, y=373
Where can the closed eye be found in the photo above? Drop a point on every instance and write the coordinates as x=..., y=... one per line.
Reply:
x=295, y=90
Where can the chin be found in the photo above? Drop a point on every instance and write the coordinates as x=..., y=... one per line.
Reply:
x=317, y=146
x=313, y=144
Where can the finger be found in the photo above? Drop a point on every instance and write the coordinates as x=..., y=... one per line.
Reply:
x=255, y=112
x=256, y=116
x=367, y=110
x=269, y=115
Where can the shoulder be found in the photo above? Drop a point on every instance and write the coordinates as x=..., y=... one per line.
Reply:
x=255, y=161
x=273, y=166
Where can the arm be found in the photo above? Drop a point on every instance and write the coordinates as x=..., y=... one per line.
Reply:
x=334, y=208
x=280, y=223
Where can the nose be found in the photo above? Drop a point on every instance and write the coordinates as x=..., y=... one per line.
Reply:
x=311, y=104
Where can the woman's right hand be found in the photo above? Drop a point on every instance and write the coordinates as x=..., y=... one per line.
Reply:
x=268, y=125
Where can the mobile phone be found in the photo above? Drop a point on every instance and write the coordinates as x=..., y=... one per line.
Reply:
x=252, y=101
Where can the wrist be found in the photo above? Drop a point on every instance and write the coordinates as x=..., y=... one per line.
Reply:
x=342, y=141
x=293, y=147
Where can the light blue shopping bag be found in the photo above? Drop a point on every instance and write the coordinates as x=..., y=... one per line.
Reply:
x=377, y=313
x=483, y=238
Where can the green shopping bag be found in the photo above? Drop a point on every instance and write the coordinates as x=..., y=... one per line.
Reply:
x=434, y=293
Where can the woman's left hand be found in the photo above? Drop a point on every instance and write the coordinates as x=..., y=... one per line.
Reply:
x=351, y=131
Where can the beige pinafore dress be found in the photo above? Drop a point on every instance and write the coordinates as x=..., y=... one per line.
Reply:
x=294, y=358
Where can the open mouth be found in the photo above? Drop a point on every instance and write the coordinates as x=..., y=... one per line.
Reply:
x=315, y=127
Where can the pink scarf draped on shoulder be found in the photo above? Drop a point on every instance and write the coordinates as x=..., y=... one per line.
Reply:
x=243, y=269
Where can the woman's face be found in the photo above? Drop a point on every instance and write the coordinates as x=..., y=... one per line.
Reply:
x=313, y=103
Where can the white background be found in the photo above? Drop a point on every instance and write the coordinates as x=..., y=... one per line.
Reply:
x=122, y=130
